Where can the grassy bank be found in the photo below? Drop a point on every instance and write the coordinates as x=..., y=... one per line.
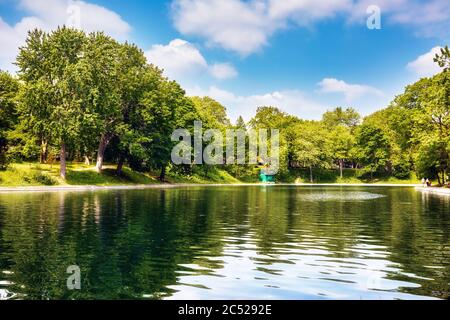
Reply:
x=32, y=174
x=350, y=176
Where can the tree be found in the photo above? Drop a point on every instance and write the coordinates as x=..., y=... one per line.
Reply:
x=162, y=111
x=212, y=112
x=240, y=124
x=395, y=122
x=135, y=78
x=443, y=59
x=53, y=99
x=267, y=118
x=432, y=120
x=309, y=146
x=9, y=88
x=349, y=118
x=122, y=87
x=101, y=59
x=270, y=118
x=373, y=147
x=342, y=143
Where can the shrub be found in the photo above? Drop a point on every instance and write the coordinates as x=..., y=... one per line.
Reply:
x=44, y=179
x=3, y=159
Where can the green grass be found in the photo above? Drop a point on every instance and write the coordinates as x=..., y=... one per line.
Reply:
x=350, y=176
x=213, y=176
x=32, y=174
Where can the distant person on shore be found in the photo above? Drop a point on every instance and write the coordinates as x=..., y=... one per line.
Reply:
x=423, y=182
x=428, y=183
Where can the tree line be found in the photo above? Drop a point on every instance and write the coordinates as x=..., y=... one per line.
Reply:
x=87, y=97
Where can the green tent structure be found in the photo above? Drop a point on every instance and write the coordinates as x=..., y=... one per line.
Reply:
x=266, y=177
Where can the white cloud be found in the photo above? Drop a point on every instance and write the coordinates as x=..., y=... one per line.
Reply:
x=424, y=65
x=223, y=71
x=292, y=101
x=48, y=15
x=429, y=18
x=350, y=91
x=233, y=24
x=306, y=11
x=181, y=59
x=245, y=26
x=177, y=58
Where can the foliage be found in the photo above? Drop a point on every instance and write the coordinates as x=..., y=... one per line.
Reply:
x=373, y=147
x=9, y=87
x=339, y=117
x=80, y=96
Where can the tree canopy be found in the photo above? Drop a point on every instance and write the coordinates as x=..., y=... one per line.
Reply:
x=82, y=97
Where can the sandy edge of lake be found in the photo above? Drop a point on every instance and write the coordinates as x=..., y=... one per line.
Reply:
x=442, y=191
x=173, y=186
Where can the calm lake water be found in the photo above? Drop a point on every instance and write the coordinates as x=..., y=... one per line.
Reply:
x=258, y=242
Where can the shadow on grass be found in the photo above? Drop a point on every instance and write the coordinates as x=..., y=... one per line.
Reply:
x=107, y=177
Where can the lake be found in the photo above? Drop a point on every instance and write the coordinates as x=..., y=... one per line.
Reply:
x=249, y=242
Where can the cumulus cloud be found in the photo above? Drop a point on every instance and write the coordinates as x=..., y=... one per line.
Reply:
x=245, y=26
x=177, y=58
x=49, y=14
x=306, y=11
x=292, y=101
x=424, y=65
x=223, y=71
x=351, y=92
x=428, y=18
x=233, y=24
x=181, y=59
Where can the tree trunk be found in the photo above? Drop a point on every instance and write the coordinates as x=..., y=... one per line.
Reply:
x=120, y=165
x=311, y=178
x=62, y=168
x=44, y=151
x=87, y=161
x=162, y=176
x=341, y=168
x=104, y=141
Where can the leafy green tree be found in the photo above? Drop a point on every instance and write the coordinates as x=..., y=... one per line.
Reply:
x=341, y=142
x=395, y=122
x=53, y=99
x=212, y=112
x=349, y=118
x=373, y=148
x=273, y=118
x=9, y=87
x=432, y=120
x=135, y=78
x=100, y=60
x=123, y=87
x=270, y=118
x=310, y=146
x=443, y=59
x=240, y=123
x=161, y=112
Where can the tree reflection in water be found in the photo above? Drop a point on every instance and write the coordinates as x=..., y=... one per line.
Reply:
x=227, y=242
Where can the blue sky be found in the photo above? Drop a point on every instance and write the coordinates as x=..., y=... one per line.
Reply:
x=304, y=56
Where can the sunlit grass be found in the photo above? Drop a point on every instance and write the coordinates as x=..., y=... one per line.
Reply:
x=350, y=176
x=31, y=174
x=79, y=174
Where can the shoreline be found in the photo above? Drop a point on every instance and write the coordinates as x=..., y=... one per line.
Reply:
x=434, y=190
x=188, y=185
